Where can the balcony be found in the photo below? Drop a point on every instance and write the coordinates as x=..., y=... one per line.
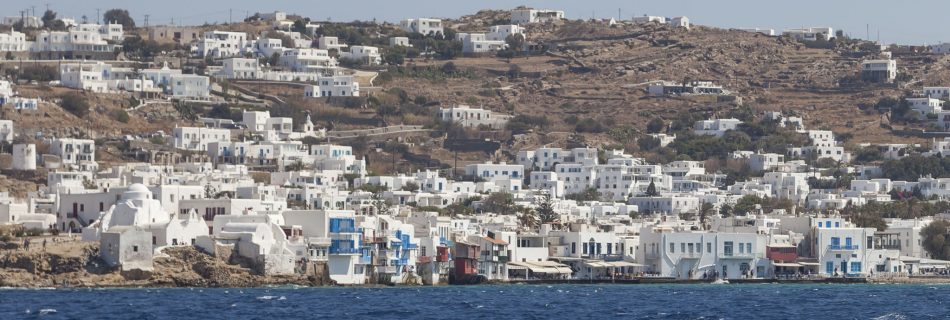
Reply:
x=343, y=229
x=347, y=251
x=838, y=247
x=741, y=255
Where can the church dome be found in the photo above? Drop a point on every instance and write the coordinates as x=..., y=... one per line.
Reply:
x=137, y=191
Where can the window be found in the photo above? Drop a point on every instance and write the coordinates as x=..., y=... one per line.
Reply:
x=672, y=247
x=708, y=247
x=856, y=267
x=135, y=248
x=727, y=248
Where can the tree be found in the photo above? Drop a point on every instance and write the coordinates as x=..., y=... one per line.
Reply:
x=705, y=211
x=75, y=103
x=747, y=204
x=499, y=202
x=410, y=186
x=651, y=190
x=121, y=116
x=725, y=210
x=545, y=209
x=515, y=42
x=655, y=125
x=936, y=238
x=50, y=22
x=120, y=16
x=528, y=218
x=589, y=194
x=274, y=59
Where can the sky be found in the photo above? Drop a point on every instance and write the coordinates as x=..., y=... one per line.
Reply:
x=912, y=22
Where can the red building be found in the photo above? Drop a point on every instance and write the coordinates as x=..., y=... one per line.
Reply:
x=781, y=252
x=466, y=259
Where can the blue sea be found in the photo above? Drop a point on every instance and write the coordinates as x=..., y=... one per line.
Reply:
x=759, y=301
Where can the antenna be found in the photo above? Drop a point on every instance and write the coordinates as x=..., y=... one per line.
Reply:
x=146, y=21
x=98, y=16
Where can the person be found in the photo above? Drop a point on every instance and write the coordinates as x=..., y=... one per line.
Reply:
x=44, y=244
x=26, y=244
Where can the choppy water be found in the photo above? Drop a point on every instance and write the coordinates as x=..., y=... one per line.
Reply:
x=489, y=302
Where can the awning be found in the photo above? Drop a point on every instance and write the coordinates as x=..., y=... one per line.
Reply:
x=809, y=264
x=542, y=266
x=786, y=264
x=597, y=264
x=624, y=264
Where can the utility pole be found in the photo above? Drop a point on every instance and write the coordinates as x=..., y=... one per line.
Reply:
x=98, y=16
x=146, y=21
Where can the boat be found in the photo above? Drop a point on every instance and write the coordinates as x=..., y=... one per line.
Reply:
x=720, y=281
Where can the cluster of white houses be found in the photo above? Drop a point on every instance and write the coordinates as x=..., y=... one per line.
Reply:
x=309, y=203
x=329, y=210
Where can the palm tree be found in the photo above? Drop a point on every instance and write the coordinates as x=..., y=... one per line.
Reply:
x=527, y=218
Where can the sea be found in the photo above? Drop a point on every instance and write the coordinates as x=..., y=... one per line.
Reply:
x=679, y=301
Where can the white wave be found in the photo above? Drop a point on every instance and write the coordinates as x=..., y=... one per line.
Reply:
x=47, y=311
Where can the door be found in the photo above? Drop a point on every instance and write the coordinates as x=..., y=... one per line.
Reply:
x=844, y=267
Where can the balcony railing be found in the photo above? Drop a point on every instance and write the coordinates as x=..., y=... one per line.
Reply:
x=343, y=229
x=843, y=247
x=337, y=250
x=739, y=255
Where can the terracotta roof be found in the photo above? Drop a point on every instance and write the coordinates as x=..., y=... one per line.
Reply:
x=495, y=241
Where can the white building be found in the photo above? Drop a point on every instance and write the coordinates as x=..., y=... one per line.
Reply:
x=363, y=54
x=28, y=21
x=6, y=130
x=693, y=87
x=399, y=42
x=524, y=15
x=424, y=26
x=942, y=48
x=810, y=34
x=14, y=42
x=308, y=60
x=24, y=157
x=502, y=32
x=334, y=86
x=479, y=43
x=197, y=139
x=330, y=43
x=768, y=32
x=240, y=68
x=715, y=127
x=472, y=117
x=879, y=70
x=925, y=106
x=73, y=151
x=221, y=44
x=190, y=86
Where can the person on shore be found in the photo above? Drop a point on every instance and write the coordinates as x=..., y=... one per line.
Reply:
x=26, y=244
x=44, y=244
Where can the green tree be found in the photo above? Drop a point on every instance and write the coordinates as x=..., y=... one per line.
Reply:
x=655, y=125
x=120, y=16
x=706, y=210
x=651, y=190
x=545, y=210
x=936, y=238
x=410, y=186
x=589, y=194
x=515, y=42
x=725, y=210
x=499, y=202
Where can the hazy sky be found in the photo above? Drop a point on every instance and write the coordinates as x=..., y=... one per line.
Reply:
x=910, y=22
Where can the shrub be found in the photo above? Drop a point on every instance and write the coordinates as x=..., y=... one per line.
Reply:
x=121, y=116
x=75, y=103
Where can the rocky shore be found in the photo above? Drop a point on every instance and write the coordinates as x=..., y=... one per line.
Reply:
x=65, y=262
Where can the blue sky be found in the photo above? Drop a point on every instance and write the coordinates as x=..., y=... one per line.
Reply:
x=911, y=22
